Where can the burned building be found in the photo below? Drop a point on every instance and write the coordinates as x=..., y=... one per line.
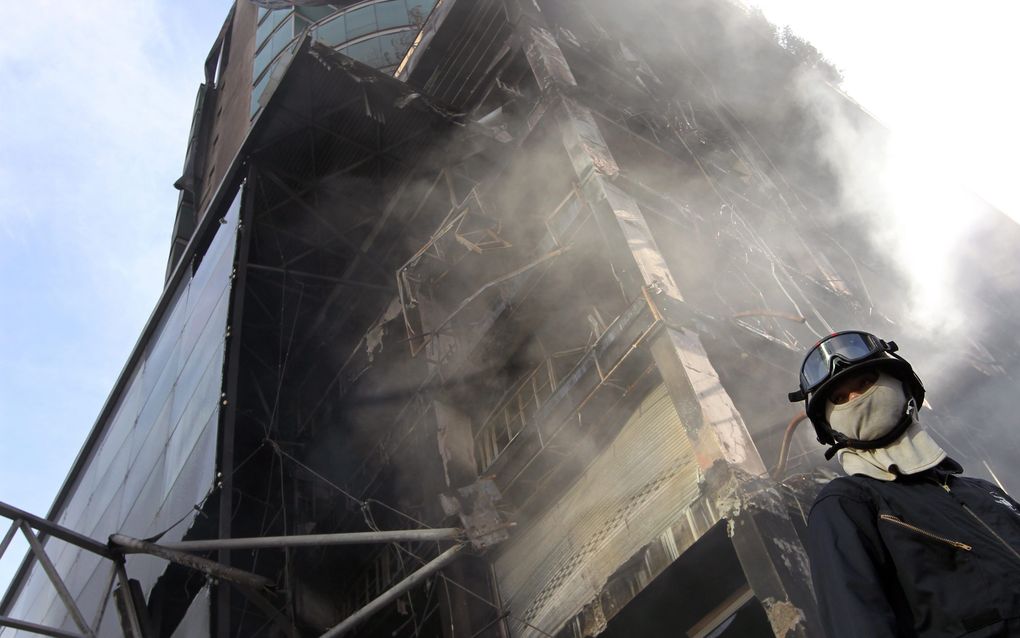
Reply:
x=537, y=272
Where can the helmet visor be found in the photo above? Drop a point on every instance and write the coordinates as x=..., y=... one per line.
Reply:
x=848, y=347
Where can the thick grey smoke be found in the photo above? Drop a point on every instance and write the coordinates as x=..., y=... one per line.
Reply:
x=840, y=202
x=954, y=253
x=899, y=199
x=783, y=210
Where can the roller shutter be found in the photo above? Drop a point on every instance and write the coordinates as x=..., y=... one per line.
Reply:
x=630, y=493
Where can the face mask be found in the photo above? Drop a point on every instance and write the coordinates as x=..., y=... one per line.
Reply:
x=871, y=415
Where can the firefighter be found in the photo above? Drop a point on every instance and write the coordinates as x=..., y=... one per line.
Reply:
x=904, y=545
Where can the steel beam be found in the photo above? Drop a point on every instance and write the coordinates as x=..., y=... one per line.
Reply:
x=58, y=582
x=343, y=139
x=352, y=283
x=130, y=545
x=55, y=530
x=31, y=627
x=329, y=113
x=5, y=543
x=394, y=592
x=129, y=620
x=228, y=417
x=318, y=540
x=282, y=622
x=340, y=234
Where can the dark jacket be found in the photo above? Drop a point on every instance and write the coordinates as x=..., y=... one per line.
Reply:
x=911, y=558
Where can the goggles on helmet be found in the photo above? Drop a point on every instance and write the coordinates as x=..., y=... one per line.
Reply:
x=845, y=347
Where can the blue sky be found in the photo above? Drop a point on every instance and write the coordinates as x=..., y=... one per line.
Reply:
x=93, y=124
x=97, y=100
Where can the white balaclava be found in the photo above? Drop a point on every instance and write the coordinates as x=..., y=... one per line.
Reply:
x=874, y=414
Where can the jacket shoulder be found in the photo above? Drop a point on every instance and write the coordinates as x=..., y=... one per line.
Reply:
x=978, y=483
x=853, y=488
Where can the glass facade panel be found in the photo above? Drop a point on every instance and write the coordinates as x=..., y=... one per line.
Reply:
x=36, y=598
x=368, y=52
x=201, y=406
x=360, y=22
x=156, y=459
x=276, y=43
x=108, y=522
x=314, y=14
x=188, y=384
x=53, y=609
x=62, y=554
x=271, y=22
x=203, y=304
x=141, y=500
x=145, y=569
x=394, y=45
x=187, y=487
x=93, y=595
x=419, y=10
x=347, y=25
x=259, y=88
x=160, y=353
x=333, y=32
x=262, y=59
x=390, y=14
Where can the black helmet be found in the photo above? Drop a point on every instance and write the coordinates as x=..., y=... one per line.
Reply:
x=843, y=354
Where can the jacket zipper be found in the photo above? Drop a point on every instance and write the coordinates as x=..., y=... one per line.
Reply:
x=956, y=544
x=977, y=518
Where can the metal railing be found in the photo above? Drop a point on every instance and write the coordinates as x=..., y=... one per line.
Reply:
x=513, y=413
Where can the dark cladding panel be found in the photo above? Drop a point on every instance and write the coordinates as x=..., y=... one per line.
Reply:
x=156, y=459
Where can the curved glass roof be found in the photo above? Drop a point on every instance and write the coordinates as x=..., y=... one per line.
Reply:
x=376, y=32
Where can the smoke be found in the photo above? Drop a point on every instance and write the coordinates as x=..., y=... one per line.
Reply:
x=900, y=200
x=780, y=203
x=803, y=204
x=780, y=207
x=905, y=195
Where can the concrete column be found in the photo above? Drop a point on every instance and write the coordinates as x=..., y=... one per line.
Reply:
x=462, y=613
x=736, y=479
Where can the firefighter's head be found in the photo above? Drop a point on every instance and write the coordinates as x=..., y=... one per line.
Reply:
x=846, y=367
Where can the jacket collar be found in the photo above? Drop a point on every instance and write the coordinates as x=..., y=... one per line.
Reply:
x=940, y=472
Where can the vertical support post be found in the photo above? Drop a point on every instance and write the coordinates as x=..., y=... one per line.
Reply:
x=462, y=614
x=736, y=479
x=235, y=324
x=58, y=583
x=129, y=614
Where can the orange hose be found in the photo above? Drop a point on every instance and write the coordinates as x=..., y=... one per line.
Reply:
x=784, y=451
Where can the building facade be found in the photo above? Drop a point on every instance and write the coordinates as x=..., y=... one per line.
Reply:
x=540, y=270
